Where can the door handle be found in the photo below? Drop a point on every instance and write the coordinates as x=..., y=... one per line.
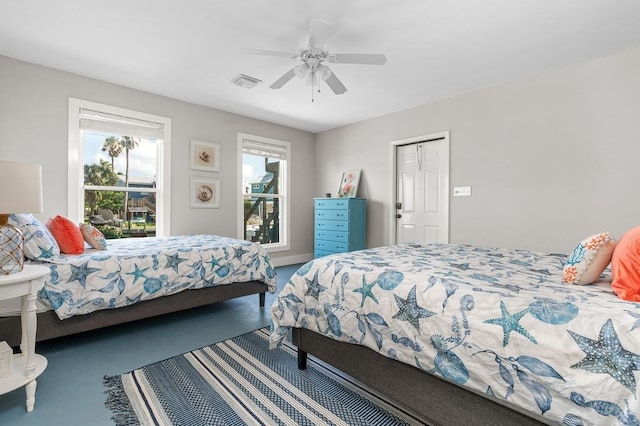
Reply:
x=398, y=215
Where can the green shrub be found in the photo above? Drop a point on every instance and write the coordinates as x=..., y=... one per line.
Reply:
x=110, y=232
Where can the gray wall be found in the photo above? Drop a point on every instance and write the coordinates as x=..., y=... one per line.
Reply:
x=551, y=158
x=33, y=127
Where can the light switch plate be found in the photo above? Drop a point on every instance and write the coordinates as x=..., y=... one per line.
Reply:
x=462, y=191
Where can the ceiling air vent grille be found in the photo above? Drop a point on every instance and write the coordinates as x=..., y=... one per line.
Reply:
x=245, y=81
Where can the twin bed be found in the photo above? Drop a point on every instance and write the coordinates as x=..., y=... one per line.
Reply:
x=469, y=335
x=139, y=278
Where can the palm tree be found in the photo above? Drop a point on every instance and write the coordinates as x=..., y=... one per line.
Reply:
x=113, y=147
x=127, y=143
x=98, y=175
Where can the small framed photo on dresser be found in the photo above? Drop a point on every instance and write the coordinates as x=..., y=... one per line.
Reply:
x=204, y=156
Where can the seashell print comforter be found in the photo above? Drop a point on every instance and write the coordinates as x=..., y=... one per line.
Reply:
x=496, y=321
x=137, y=269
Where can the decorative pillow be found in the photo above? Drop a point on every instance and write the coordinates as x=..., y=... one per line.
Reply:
x=67, y=234
x=625, y=266
x=39, y=244
x=93, y=236
x=589, y=259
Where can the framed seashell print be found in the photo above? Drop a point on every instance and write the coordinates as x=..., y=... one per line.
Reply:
x=205, y=193
x=204, y=156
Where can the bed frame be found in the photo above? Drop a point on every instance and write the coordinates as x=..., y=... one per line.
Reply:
x=50, y=326
x=432, y=399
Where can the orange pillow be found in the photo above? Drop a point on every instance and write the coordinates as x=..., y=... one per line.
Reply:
x=67, y=235
x=625, y=266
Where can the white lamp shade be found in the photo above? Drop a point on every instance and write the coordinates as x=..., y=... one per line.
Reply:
x=20, y=187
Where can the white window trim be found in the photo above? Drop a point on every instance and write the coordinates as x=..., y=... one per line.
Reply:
x=284, y=243
x=75, y=179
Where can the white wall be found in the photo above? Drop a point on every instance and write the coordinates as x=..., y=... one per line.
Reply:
x=33, y=127
x=551, y=158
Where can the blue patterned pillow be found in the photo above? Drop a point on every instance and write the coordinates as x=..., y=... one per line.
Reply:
x=589, y=259
x=39, y=244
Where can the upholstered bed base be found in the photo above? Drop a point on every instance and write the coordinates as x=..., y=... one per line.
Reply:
x=50, y=326
x=432, y=399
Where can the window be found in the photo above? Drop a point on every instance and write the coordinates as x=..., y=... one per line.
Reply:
x=264, y=184
x=119, y=170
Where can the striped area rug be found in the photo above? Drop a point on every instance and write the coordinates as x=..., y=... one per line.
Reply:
x=240, y=381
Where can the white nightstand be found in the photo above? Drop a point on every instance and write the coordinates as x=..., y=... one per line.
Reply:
x=27, y=365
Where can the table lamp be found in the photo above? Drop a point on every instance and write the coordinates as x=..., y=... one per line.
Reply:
x=20, y=192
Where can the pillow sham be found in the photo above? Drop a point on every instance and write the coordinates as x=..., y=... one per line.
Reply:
x=93, y=236
x=589, y=259
x=625, y=266
x=39, y=244
x=67, y=235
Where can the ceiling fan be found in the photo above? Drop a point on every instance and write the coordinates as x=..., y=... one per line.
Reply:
x=313, y=58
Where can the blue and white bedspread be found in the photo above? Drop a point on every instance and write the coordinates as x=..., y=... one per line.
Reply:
x=496, y=321
x=137, y=269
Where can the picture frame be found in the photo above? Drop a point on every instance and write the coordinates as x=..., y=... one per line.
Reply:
x=204, y=193
x=204, y=155
x=349, y=183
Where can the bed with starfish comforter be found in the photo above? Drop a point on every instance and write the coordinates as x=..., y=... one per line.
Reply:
x=497, y=322
x=135, y=270
x=130, y=280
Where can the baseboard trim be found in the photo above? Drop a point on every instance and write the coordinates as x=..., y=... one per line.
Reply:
x=291, y=260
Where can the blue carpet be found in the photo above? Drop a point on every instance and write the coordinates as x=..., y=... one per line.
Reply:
x=240, y=381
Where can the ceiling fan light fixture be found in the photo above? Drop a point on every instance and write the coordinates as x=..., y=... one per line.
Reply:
x=301, y=70
x=324, y=72
x=245, y=81
x=312, y=57
x=312, y=79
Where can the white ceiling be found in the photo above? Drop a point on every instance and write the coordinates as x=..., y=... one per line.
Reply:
x=190, y=49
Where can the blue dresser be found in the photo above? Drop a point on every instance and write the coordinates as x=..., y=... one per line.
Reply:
x=340, y=225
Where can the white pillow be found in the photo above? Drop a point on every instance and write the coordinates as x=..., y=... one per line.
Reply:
x=39, y=244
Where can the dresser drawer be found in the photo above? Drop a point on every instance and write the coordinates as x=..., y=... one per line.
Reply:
x=332, y=214
x=319, y=253
x=333, y=246
x=331, y=225
x=331, y=235
x=331, y=203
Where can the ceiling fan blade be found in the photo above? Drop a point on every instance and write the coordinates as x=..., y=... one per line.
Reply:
x=270, y=53
x=318, y=32
x=284, y=79
x=358, y=58
x=335, y=84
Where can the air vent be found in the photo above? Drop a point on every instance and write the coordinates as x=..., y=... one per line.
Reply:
x=245, y=81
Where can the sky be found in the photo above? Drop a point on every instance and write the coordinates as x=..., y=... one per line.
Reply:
x=142, y=159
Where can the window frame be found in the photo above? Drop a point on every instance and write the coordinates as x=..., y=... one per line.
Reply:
x=285, y=205
x=75, y=169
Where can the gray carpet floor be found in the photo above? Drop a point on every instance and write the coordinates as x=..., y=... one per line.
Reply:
x=70, y=391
